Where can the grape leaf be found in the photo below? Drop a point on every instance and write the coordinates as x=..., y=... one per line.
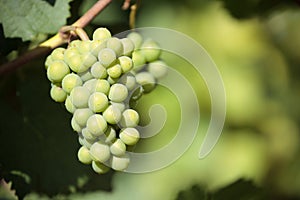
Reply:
x=27, y=18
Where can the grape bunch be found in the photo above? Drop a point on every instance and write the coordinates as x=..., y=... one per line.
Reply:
x=99, y=80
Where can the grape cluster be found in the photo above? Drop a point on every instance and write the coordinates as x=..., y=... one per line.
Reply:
x=98, y=80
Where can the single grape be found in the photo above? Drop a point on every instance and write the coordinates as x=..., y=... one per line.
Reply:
x=118, y=148
x=48, y=61
x=96, y=124
x=58, y=53
x=151, y=50
x=120, y=163
x=112, y=114
x=100, y=152
x=84, y=46
x=69, y=52
x=138, y=60
x=58, y=94
x=81, y=116
x=130, y=118
x=118, y=92
x=75, y=44
x=129, y=81
x=146, y=80
x=69, y=105
x=88, y=135
x=98, y=70
x=158, y=69
x=136, y=38
x=70, y=81
x=128, y=46
x=115, y=71
x=84, y=155
x=106, y=57
x=96, y=46
x=88, y=59
x=86, y=75
x=101, y=34
x=125, y=63
x=111, y=80
x=120, y=105
x=99, y=168
x=129, y=136
x=116, y=45
x=76, y=127
x=80, y=96
x=110, y=134
x=57, y=71
x=74, y=62
x=98, y=102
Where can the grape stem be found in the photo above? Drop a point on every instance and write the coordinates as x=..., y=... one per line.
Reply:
x=56, y=40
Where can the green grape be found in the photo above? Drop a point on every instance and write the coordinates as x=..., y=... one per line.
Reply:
x=96, y=85
x=118, y=148
x=86, y=75
x=106, y=57
x=120, y=105
x=130, y=118
x=88, y=59
x=99, y=168
x=74, y=62
x=84, y=46
x=120, y=163
x=112, y=114
x=128, y=46
x=75, y=44
x=100, y=152
x=111, y=80
x=88, y=135
x=96, y=46
x=146, y=80
x=158, y=69
x=136, y=38
x=70, y=81
x=151, y=50
x=96, y=124
x=81, y=116
x=80, y=96
x=69, y=52
x=48, y=61
x=69, y=105
x=110, y=134
x=129, y=136
x=138, y=60
x=129, y=81
x=114, y=71
x=84, y=155
x=98, y=102
x=98, y=70
x=58, y=54
x=58, y=94
x=118, y=92
x=116, y=45
x=76, y=127
x=57, y=71
x=87, y=143
x=125, y=63
x=101, y=34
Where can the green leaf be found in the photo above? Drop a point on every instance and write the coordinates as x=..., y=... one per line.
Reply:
x=27, y=18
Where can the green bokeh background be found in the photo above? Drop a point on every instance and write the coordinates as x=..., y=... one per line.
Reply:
x=257, y=54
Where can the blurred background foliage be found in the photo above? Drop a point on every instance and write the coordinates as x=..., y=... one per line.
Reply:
x=254, y=43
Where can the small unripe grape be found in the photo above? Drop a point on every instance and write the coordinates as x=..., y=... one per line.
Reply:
x=58, y=94
x=69, y=52
x=57, y=71
x=98, y=102
x=136, y=38
x=129, y=81
x=84, y=155
x=146, y=80
x=99, y=168
x=110, y=134
x=120, y=163
x=115, y=44
x=118, y=92
x=58, y=54
x=112, y=114
x=75, y=63
x=158, y=69
x=150, y=50
x=100, y=152
x=125, y=63
x=129, y=136
x=98, y=70
x=115, y=71
x=128, y=46
x=86, y=75
x=80, y=96
x=118, y=148
x=70, y=81
x=138, y=60
x=69, y=105
x=130, y=118
x=96, y=124
x=101, y=34
x=75, y=126
x=106, y=57
x=81, y=116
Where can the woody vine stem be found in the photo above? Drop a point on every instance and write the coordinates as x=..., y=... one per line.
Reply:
x=62, y=36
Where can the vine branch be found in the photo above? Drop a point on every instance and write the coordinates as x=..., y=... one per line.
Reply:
x=54, y=41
